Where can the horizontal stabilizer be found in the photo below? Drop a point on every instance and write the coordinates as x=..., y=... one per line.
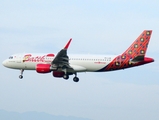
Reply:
x=138, y=58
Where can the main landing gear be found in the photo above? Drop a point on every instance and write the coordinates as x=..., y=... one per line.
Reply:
x=21, y=74
x=66, y=77
x=75, y=79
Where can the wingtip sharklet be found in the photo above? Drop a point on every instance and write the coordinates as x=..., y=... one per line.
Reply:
x=67, y=45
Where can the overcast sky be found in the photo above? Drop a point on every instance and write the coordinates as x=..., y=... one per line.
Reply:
x=97, y=27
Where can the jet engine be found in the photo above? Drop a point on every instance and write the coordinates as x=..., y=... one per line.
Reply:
x=58, y=73
x=43, y=68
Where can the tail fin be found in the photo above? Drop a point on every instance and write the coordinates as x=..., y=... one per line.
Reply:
x=136, y=52
x=134, y=55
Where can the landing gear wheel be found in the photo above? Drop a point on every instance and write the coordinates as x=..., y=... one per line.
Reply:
x=20, y=76
x=66, y=77
x=75, y=79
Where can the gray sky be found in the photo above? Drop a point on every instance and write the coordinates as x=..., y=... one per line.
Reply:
x=97, y=27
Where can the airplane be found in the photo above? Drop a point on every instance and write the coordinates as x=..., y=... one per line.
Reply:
x=63, y=65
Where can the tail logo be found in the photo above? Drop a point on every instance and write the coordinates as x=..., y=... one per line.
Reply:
x=135, y=52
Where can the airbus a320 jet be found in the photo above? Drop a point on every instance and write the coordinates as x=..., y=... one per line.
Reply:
x=63, y=65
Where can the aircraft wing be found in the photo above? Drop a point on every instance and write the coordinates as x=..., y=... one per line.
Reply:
x=61, y=60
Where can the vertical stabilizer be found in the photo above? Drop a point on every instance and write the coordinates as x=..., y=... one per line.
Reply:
x=134, y=55
x=139, y=47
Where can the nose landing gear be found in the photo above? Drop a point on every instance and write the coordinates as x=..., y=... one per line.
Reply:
x=21, y=74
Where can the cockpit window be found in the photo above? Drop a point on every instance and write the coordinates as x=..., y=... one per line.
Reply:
x=11, y=57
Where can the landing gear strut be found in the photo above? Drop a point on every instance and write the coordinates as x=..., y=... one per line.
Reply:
x=66, y=77
x=75, y=79
x=21, y=74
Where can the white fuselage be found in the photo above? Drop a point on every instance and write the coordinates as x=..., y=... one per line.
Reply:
x=80, y=63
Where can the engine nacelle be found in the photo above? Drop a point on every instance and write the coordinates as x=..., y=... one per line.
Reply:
x=58, y=73
x=43, y=68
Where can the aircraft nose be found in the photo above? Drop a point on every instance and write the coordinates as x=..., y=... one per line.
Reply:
x=4, y=63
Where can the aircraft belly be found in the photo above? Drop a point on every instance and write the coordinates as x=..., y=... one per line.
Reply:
x=30, y=66
x=88, y=66
x=95, y=67
x=78, y=68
